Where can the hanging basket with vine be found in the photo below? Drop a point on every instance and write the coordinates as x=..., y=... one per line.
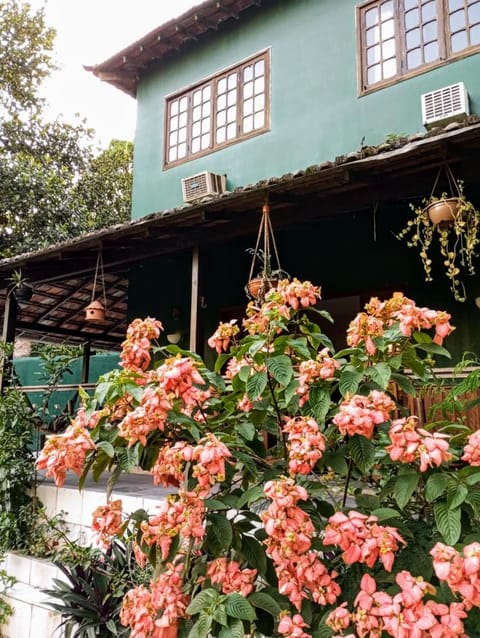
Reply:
x=453, y=221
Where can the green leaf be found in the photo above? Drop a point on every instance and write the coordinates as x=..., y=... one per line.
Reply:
x=380, y=373
x=256, y=384
x=448, y=522
x=385, y=513
x=362, y=452
x=435, y=486
x=319, y=403
x=404, y=383
x=219, y=533
x=251, y=495
x=456, y=493
x=264, y=601
x=237, y=607
x=246, y=430
x=405, y=486
x=434, y=348
x=254, y=554
x=280, y=368
x=220, y=616
x=349, y=380
x=203, y=600
x=202, y=627
x=107, y=448
x=336, y=460
x=473, y=499
x=235, y=629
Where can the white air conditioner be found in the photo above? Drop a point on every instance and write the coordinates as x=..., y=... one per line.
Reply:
x=445, y=105
x=203, y=185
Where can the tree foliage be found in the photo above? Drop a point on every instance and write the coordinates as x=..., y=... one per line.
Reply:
x=54, y=184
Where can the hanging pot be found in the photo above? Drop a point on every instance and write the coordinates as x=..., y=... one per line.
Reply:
x=259, y=286
x=443, y=211
x=23, y=292
x=95, y=311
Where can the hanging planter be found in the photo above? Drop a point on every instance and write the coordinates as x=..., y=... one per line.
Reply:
x=267, y=277
x=95, y=311
x=20, y=287
x=454, y=222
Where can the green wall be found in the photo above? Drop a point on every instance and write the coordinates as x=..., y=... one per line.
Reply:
x=316, y=113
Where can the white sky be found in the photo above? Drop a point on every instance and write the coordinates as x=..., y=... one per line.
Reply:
x=89, y=32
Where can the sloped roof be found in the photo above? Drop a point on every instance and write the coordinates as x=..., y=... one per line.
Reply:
x=63, y=274
x=123, y=69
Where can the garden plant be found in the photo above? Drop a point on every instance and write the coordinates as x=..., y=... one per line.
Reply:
x=304, y=500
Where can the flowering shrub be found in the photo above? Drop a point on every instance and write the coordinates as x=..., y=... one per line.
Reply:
x=303, y=499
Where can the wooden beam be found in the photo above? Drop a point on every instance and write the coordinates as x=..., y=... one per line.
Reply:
x=194, y=300
x=8, y=337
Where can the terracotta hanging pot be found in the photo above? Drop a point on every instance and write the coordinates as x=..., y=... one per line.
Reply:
x=443, y=211
x=95, y=311
x=259, y=286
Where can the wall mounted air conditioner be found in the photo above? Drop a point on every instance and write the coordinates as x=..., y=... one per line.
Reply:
x=444, y=105
x=203, y=185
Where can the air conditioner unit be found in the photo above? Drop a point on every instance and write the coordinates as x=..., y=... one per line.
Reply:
x=445, y=105
x=203, y=185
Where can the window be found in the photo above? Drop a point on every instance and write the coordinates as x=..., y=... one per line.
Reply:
x=224, y=109
x=399, y=37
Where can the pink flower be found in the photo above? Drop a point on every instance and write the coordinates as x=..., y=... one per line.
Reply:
x=292, y=627
x=471, y=452
x=64, y=452
x=359, y=414
x=305, y=444
x=411, y=443
x=298, y=293
x=231, y=577
x=136, y=348
x=220, y=340
x=106, y=521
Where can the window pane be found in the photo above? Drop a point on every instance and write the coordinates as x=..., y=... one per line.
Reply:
x=475, y=35
x=429, y=11
x=248, y=73
x=174, y=107
x=412, y=18
x=474, y=13
x=195, y=145
x=231, y=131
x=459, y=41
x=371, y=17
x=197, y=113
x=389, y=69
x=206, y=93
x=388, y=49
x=248, y=124
x=220, y=135
x=183, y=104
x=182, y=120
x=373, y=36
x=232, y=97
x=248, y=90
x=182, y=150
x=410, y=4
x=221, y=118
x=197, y=97
x=373, y=55
x=260, y=68
x=222, y=85
x=232, y=80
x=205, y=141
x=453, y=5
x=386, y=10
x=413, y=39
x=414, y=58
x=430, y=32
x=388, y=30
x=173, y=138
x=259, y=102
x=231, y=114
x=259, y=85
x=457, y=21
x=174, y=122
x=172, y=154
x=374, y=74
x=431, y=52
x=182, y=134
x=221, y=101
x=259, y=119
x=206, y=109
x=206, y=126
x=196, y=129
x=248, y=107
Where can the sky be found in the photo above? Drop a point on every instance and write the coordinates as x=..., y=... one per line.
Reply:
x=89, y=32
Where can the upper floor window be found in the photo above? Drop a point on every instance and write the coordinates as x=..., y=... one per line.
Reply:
x=221, y=110
x=399, y=37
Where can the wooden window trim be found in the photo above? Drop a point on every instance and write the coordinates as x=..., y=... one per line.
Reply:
x=212, y=82
x=446, y=55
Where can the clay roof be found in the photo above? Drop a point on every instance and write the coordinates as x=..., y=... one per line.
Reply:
x=124, y=69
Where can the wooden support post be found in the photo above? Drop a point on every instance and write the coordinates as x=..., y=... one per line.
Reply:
x=86, y=361
x=8, y=337
x=194, y=300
